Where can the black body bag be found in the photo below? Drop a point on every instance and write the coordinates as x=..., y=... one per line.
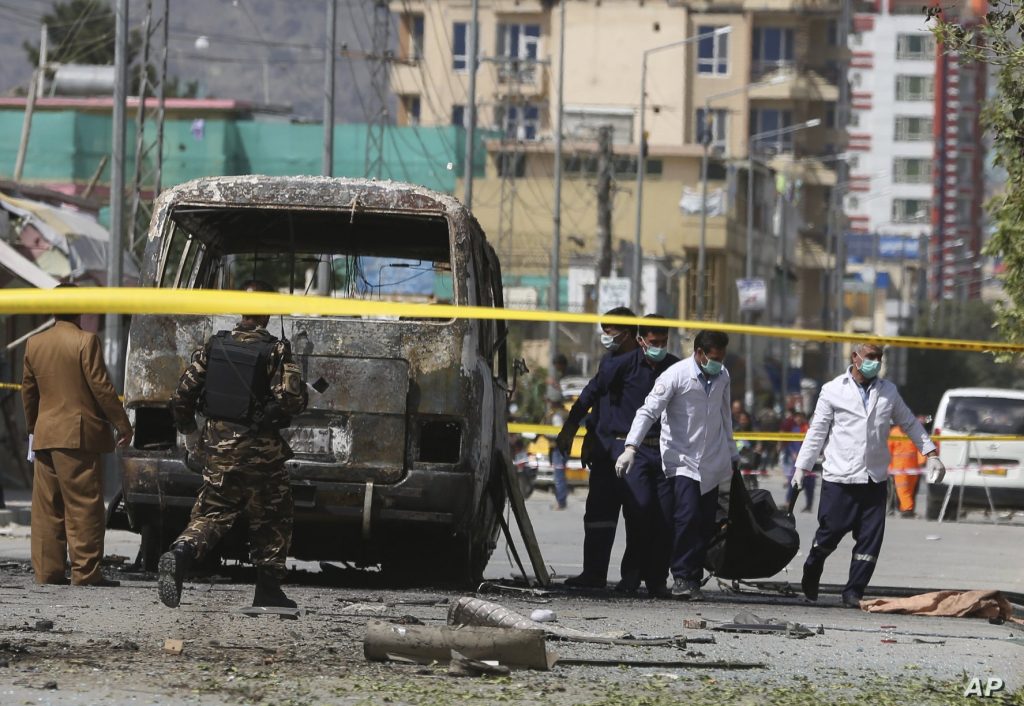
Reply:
x=753, y=538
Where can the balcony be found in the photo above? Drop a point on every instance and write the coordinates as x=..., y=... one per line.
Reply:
x=810, y=83
x=803, y=6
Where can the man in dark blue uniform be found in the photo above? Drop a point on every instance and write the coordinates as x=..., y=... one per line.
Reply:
x=604, y=497
x=647, y=528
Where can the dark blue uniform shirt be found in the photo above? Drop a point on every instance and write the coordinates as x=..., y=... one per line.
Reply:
x=627, y=383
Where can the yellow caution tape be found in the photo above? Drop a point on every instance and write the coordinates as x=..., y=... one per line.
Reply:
x=144, y=300
x=9, y=386
x=548, y=430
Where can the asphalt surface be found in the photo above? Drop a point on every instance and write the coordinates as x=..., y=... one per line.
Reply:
x=106, y=645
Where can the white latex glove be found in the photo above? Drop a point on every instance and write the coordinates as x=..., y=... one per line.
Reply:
x=624, y=464
x=936, y=471
x=798, y=479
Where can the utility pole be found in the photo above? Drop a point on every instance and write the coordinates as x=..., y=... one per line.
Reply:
x=474, y=64
x=556, y=225
x=604, y=201
x=379, y=95
x=509, y=68
x=323, y=268
x=146, y=182
x=842, y=179
x=115, y=253
x=35, y=89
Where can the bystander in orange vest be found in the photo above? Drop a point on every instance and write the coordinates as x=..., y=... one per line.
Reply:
x=905, y=470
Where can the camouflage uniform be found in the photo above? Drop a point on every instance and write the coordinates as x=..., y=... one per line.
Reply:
x=244, y=472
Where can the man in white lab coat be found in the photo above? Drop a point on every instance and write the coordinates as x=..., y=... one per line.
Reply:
x=853, y=415
x=692, y=400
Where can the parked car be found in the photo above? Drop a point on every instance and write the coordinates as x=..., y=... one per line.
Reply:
x=980, y=471
x=399, y=460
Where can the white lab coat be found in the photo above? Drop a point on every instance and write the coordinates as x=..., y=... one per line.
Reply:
x=696, y=427
x=858, y=449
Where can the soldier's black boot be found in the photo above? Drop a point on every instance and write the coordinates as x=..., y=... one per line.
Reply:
x=268, y=591
x=173, y=566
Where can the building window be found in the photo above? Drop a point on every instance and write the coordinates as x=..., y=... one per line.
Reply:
x=586, y=166
x=769, y=120
x=910, y=210
x=459, y=116
x=511, y=164
x=520, y=122
x=853, y=161
x=460, y=51
x=915, y=88
x=411, y=110
x=911, y=170
x=712, y=129
x=853, y=203
x=413, y=28
x=854, y=120
x=913, y=129
x=712, y=52
x=518, y=45
x=915, y=46
x=773, y=49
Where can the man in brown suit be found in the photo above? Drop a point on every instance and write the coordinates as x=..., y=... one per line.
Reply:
x=69, y=406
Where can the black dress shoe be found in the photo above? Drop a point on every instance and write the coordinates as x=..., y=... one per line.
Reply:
x=661, y=591
x=584, y=581
x=851, y=600
x=809, y=582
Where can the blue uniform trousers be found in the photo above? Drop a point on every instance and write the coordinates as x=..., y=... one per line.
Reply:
x=693, y=524
x=601, y=517
x=648, y=529
x=850, y=507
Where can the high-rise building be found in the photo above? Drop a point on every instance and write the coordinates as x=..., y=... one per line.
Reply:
x=916, y=161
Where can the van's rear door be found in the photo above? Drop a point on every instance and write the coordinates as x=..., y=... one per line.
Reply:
x=355, y=430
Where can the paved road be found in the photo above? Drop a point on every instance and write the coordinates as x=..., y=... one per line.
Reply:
x=916, y=552
x=106, y=643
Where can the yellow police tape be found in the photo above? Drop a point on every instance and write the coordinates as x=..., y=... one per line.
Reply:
x=548, y=430
x=146, y=300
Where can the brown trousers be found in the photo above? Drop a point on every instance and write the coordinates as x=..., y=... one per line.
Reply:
x=67, y=516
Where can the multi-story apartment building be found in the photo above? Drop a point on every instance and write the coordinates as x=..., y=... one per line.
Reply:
x=914, y=201
x=789, y=49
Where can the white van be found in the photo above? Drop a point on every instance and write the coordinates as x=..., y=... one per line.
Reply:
x=979, y=470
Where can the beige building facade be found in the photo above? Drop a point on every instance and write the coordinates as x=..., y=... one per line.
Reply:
x=778, y=66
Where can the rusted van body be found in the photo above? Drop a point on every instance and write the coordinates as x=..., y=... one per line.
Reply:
x=399, y=460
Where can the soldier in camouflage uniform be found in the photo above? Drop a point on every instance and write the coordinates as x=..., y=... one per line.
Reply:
x=244, y=474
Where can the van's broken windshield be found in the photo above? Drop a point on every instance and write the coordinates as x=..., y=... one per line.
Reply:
x=398, y=257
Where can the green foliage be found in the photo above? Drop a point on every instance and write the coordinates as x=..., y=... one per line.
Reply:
x=82, y=32
x=996, y=43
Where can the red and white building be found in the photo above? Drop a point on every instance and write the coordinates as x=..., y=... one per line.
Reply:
x=916, y=163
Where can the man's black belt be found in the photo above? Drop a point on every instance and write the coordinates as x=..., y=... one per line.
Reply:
x=652, y=441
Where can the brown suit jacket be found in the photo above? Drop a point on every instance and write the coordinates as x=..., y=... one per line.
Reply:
x=69, y=400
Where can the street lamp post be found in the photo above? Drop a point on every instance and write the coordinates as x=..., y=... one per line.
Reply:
x=641, y=156
x=748, y=391
x=705, y=139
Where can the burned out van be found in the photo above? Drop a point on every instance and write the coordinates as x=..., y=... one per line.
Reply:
x=399, y=458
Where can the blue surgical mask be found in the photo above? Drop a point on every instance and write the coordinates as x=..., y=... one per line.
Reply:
x=610, y=342
x=655, y=354
x=869, y=368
